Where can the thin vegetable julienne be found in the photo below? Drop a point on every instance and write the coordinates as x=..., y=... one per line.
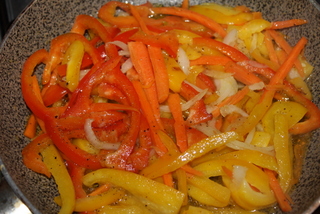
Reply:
x=148, y=108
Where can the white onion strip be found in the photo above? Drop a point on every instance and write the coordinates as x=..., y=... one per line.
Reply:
x=92, y=138
x=127, y=65
x=183, y=61
x=187, y=105
x=238, y=145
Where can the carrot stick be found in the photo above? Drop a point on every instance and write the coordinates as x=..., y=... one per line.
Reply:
x=287, y=23
x=241, y=74
x=187, y=168
x=278, y=192
x=30, y=130
x=141, y=61
x=101, y=189
x=199, y=18
x=210, y=60
x=168, y=180
x=272, y=53
x=137, y=16
x=287, y=65
x=179, y=126
x=234, y=99
x=148, y=113
x=185, y=4
x=160, y=73
x=286, y=47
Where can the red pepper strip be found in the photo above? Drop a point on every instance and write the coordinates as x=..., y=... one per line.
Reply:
x=85, y=22
x=169, y=23
x=58, y=48
x=61, y=140
x=76, y=173
x=53, y=94
x=167, y=41
x=31, y=154
x=107, y=13
x=112, y=93
x=187, y=91
x=203, y=81
x=125, y=36
x=102, y=118
x=139, y=159
x=118, y=159
x=241, y=74
x=80, y=99
x=198, y=114
x=87, y=61
x=210, y=60
x=233, y=53
x=199, y=18
x=35, y=105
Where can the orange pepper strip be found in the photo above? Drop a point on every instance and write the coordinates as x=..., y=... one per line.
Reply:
x=30, y=130
x=31, y=154
x=58, y=47
x=287, y=23
x=85, y=22
x=179, y=126
x=199, y=18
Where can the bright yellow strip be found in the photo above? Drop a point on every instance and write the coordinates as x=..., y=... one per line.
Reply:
x=55, y=164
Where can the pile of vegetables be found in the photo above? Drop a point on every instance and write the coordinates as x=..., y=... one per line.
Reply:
x=150, y=109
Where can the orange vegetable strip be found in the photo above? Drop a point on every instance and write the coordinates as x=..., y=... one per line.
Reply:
x=31, y=128
x=141, y=22
x=101, y=189
x=147, y=111
x=141, y=61
x=313, y=114
x=278, y=192
x=187, y=168
x=234, y=99
x=269, y=44
x=160, y=73
x=199, y=18
x=259, y=58
x=287, y=23
x=287, y=65
x=279, y=39
x=210, y=60
x=241, y=74
x=185, y=4
x=168, y=180
x=179, y=127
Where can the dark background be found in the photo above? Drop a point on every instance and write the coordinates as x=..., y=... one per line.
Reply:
x=9, y=10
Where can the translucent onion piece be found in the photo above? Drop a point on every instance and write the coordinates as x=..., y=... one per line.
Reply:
x=231, y=37
x=257, y=86
x=238, y=145
x=183, y=61
x=127, y=65
x=228, y=109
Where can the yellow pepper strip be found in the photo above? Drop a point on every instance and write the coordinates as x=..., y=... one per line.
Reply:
x=182, y=184
x=251, y=27
x=55, y=164
x=255, y=157
x=128, y=204
x=94, y=202
x=73, y=59
x=217, y=191
x=282, y=147
x=168, y=164
x=255, y=176
x=246, y=197
x=294, y=113
x=203, y=197
x=175, y=74
x=237, y=19
x=199, y=210
x=259, y=58
x=156, y=196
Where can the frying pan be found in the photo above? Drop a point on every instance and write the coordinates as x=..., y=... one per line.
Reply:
x=43, y=20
